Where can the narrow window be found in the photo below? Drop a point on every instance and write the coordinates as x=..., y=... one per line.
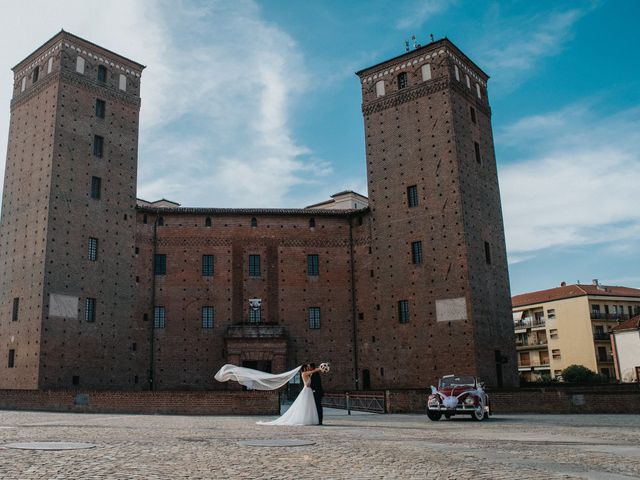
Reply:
x=402, y=80
x=50, y=65
x=254, y=222
x=314, y=318
x=102, y=73
x=122, y=84
x=487, y=253
x=75, y=380
x=11, y=359
x=207, y=222
x=98, y=145
x=416, y=252
x=457, y=72
x=207, y=317
x=473, y=114
x=96, y=183
x=254, y=265
x=101, y=108
x=412, y=196
x=160, y=264
x=159, y=317
x=80, y=65
x=403, y=311
x=36, y=74
x=255, y=314
x=476, y=146
x=313, y=265
x=478, y=91
x=426, y=72
x=380, y=88
x=90, y=310
x=551, y=314
x=468, y=81
x=160, y=221
x=312, y=223
x=207, y=265
x=16, y=307
x=144, y=218
x=24, y=84
x=93, y=249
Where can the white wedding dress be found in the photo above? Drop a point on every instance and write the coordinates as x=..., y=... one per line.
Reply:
x=301, y=412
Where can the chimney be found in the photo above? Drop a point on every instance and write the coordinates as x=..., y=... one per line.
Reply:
x=595, y=281
x=563, y=284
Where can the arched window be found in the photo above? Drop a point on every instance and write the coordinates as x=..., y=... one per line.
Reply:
x=160, y=221
x=312, y=223
x=207, y=222
x=254, y=222
x=402, y=80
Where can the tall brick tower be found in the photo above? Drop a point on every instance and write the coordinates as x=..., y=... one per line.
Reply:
x=441, y=299
x=68, y=215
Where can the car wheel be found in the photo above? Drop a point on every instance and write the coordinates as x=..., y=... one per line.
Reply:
x=447, y=416
x=434, y=416
x=478, y=413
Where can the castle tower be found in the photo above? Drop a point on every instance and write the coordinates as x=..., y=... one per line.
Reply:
x=440, y=288
x=67, y=226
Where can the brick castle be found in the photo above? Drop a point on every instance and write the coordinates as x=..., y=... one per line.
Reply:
x=100, y=291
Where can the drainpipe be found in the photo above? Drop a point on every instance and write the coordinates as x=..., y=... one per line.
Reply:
x=353, y=305
x=152, y=333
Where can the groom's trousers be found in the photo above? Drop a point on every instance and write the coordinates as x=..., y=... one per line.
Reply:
x=317, y=396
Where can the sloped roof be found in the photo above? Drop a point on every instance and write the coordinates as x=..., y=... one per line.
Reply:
x=570, y=291
x=632, y=324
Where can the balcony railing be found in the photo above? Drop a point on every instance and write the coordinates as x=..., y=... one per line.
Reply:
x=530, y=322
x=255, y=330
x=616, y=317
x=531, y=343
x=601, y=336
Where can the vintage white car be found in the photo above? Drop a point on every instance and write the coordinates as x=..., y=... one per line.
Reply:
x=456, y=395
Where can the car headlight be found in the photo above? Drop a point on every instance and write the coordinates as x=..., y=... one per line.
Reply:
x=433, y=401
x=469, y=400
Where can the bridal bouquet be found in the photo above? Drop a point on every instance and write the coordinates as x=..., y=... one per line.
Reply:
x=324, y=367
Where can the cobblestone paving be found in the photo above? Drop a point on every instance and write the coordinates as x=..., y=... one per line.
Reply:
x=356, y=447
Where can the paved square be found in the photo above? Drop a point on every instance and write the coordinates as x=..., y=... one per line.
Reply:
x=360, y=446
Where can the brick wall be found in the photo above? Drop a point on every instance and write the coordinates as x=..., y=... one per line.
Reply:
x=166, y=402
x=555, y=399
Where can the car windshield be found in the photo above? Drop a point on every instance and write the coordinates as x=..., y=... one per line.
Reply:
x=458, y=380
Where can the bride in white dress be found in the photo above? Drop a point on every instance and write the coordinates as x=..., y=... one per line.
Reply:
x=303, y=410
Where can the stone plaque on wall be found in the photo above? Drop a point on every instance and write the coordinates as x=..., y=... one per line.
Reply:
x=450, y=309
x=63, y=306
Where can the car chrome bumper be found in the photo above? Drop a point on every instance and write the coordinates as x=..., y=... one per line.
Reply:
x=459, y=408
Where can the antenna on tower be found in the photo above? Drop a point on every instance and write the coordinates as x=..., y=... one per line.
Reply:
x=415, y=43
x=431, y=35
x=406, y=45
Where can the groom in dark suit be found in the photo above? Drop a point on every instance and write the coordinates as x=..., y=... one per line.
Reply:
x=318, y=392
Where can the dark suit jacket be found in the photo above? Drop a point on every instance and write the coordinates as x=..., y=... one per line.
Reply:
x=316, y=384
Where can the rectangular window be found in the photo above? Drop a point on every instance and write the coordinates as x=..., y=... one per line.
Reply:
x=254, y=265
x=207, y=317
x=457, y=72
x=473, y=114
x=36, y=74
x=551, y=314
x=50, y=65
x=23, y=86
x=122, y=84
x=553, y=333
x=11, y=359
x=402, y=80
x=101, y=108
x=160, y=264
x=93, y=249
x=96, y=183
x=416, y=252
x=255, y=314
x=207, y=265
x=379, y=88
x=487, y=253
x=16, y=307
x=412, y=196
x=556, y=353
x=159, y=317
x=403, y=311
x=426, y=72
x=313, y=265
x=476, y=146
x=478, y=91
x=80, y=65
x=314, y=318
x=90, y=310
x=468, y=81
x=98, y=146
x=102, y=73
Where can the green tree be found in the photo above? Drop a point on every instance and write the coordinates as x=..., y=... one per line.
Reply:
x=581, y=374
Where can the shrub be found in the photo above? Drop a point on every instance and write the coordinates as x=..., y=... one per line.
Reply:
x=581, y=374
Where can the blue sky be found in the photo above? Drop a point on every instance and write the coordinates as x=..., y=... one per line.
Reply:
x=255, y=103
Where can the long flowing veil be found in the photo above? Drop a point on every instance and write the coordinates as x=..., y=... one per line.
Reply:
x=254, y=379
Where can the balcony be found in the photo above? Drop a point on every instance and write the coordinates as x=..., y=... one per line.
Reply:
x=255, y=330
x=531, y=344
x=614, y=317
x=529, y=323
x=601, y=336
x=527, y=366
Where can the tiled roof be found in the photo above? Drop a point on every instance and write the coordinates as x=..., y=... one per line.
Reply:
x=303, y=212
x=570, y=291
x=632, y=324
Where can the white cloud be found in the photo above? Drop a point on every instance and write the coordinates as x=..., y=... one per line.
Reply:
x=577, y=186
x=420, y=11
x=216, y=96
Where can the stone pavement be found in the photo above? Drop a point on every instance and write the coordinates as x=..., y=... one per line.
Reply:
x=354, y=447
